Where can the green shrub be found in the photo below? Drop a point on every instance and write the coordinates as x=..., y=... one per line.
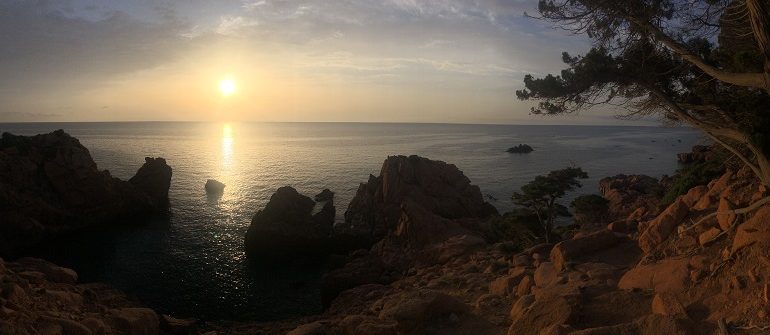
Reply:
x=589, y=209
x=693, y=175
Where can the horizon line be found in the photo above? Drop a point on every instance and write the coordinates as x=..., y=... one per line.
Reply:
x=642, y=124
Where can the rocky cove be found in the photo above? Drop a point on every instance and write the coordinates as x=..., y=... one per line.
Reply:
x=414, y=255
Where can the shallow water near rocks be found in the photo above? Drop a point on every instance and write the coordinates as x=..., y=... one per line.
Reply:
x=193, y=264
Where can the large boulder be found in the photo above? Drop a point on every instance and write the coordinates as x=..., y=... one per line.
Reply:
x=154, y=179
x=49, y=185
x=666, y=276
x=659, y=229
x=287, y=227
x=566, y=251
x=438, y=187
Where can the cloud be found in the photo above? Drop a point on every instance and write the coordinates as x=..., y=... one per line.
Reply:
x=60, y=52
x=53, y=48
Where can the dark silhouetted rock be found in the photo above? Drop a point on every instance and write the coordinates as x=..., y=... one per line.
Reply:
x=520, y=149
x=50, y=185
x=325, y=195
x=154, y=179
x=699, y=153
x=438, y=187
x=214, y=187
x=287, y=227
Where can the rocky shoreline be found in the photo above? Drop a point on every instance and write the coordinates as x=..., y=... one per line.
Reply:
x=419, y=259
x=50, y=185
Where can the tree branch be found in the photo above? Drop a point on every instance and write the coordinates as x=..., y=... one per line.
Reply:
x=756, y=80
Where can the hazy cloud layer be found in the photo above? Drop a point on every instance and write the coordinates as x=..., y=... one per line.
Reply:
x=68, y=59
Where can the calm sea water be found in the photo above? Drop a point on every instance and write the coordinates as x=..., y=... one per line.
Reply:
x=193, y=264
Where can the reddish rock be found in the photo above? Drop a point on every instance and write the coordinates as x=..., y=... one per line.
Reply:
x=659, y=229
x=525, y=286
x=708, y=236
x=173, y=325
x=531, y=315
x=626, y=194
x=669, y=275
x=754, y=230
x=557, y=330
x=507, y=284
x=414, y=310
x=367, y=324
x=315, y=328
x=694, y=195
x=566, y=251
x=667, y=304
x=725, y=220
x=546, y=274
x=135, y=321
x=622, y=226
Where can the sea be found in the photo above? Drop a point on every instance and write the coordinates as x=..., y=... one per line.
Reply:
x=193, y=264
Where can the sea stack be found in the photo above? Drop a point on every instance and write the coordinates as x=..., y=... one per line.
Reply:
x=214, y=187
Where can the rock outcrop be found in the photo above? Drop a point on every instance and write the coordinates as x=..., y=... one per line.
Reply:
x=520, y=149
x=287, y=227
x=699, y=153
x=631, y=196
x=440, y=188
x=214, y=187
x=49, y=185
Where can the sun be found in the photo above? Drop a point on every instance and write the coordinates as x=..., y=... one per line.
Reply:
x=227, y=87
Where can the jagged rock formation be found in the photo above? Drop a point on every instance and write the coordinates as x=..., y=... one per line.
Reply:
x=41, y=298
x=424, y=212
x=49, y=184
x=438, y=187
x=287, y=227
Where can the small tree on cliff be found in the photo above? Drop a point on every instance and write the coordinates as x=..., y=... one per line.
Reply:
x=704, y=63
x=540, y=195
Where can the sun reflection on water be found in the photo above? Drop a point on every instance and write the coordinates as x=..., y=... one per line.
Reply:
x=227, y=147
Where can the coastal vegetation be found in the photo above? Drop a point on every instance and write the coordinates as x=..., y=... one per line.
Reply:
x=540, y=196
x=704, y=64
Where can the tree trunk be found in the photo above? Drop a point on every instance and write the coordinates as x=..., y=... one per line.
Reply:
x=759, y=16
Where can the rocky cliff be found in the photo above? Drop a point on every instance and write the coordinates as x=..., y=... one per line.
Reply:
x=49, y=185
x=438, y=187
x=698, y=266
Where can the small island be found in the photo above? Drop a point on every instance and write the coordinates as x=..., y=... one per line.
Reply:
x=520, y=149
x=214, y=187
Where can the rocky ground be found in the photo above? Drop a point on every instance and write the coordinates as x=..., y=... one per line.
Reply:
x=699, y=265
x=37, y=297
x=691, y=267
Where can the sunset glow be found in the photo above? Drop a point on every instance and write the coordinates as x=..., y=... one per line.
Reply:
x=227, y=87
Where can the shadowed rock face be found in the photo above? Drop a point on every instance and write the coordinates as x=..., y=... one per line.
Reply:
x=288, y=228
x=154, y=179
x=438, y=187
x=49, y=185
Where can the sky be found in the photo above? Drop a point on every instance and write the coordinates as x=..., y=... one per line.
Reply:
x=448, y=61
